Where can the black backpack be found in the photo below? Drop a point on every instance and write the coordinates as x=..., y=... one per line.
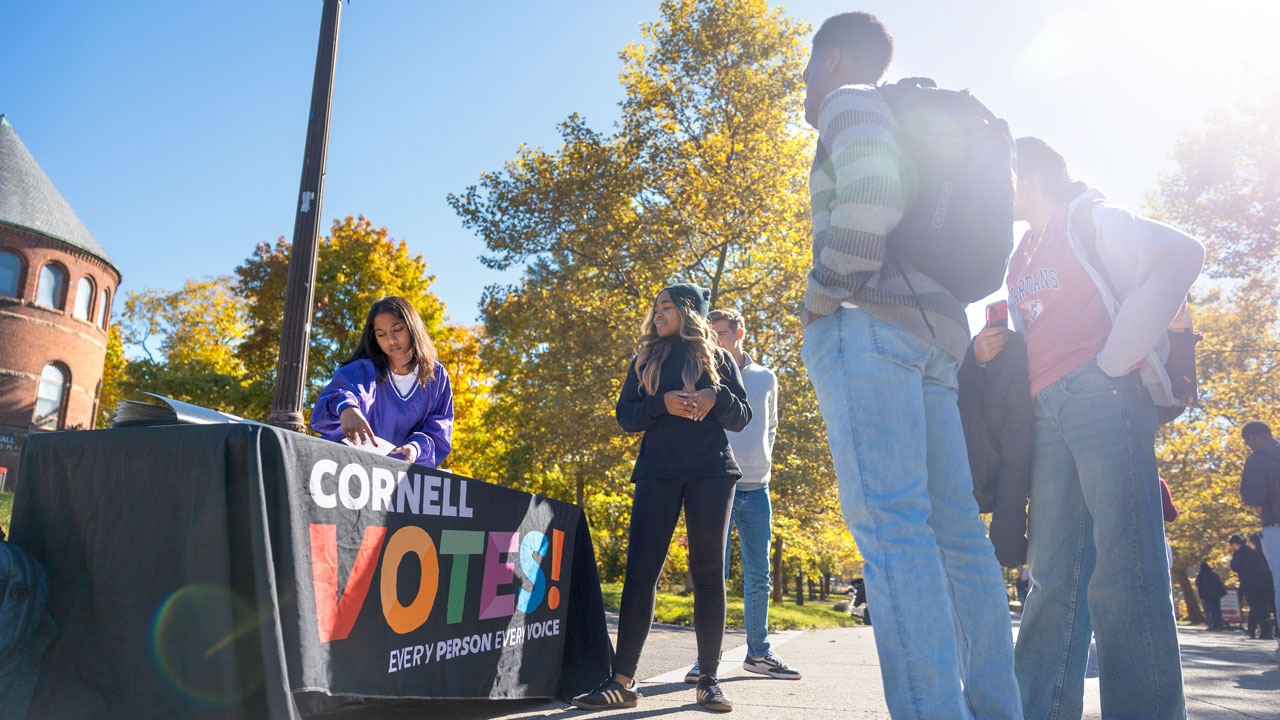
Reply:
x=958, y=224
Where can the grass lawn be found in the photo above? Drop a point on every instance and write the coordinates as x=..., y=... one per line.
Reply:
x=676, y=609
x=6, y=509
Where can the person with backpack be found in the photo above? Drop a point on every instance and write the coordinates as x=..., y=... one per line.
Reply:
x=1093, y=289
x=882, y=343
x=1260, y=486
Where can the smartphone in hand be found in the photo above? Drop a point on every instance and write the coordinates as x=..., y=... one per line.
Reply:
x=998, y=314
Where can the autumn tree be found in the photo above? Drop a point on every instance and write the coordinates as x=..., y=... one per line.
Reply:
x=358, y=264
x=703, y=179
x=187, y=342
x=114, y=379
x=1225, y=189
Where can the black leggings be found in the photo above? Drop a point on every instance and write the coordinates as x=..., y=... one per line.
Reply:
x=654, y=512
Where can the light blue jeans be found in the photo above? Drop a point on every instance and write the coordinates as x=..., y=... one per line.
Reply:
x=942, y=617
x=753, y=515
x=1271, y=548
x=1097, y=556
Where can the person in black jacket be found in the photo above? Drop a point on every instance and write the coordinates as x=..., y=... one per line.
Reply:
x=1255, y=585
x=1211, y=590
x=1260, y=486
x=683, y=392
x=996, y=412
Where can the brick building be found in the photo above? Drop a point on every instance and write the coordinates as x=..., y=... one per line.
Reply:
x=56, y=289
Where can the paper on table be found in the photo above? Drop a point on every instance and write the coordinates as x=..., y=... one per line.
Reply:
x=377, y=447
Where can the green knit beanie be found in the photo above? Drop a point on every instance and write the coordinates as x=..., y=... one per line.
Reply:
x=692, y=297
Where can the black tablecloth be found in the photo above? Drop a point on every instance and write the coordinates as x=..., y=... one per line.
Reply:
x=224, y=571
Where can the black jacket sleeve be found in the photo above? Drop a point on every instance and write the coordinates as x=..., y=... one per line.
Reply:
x=637, y=412
x=1013, y=416
x=978, y=439
x=731, y=408
x=996, y=412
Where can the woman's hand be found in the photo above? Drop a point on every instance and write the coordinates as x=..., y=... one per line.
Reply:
x=703, y=401
x=355, y=426
x=409, y=451
x=678, y=403
x=989, y=343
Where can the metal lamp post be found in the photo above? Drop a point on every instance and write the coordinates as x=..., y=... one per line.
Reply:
x=295, y=334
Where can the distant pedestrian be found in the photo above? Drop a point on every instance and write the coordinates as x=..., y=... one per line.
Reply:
x=859, y=589
x=1255, y=584
x=683, y=392
x=1260, y=486
x=1023, y=584
x=1211, y=589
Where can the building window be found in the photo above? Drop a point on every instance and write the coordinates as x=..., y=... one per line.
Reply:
x=49, y=398
x=84, y=299
x=104, y=305
x=49, y=291
x=10, y=273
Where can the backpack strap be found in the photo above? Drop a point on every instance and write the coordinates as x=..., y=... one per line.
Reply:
x=1082, y=225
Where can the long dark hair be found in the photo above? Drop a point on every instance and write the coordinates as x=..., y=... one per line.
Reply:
x=700, y=350
x=1037, y=157
x=423, y=350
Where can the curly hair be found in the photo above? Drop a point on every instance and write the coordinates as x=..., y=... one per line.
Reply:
x=701, y=350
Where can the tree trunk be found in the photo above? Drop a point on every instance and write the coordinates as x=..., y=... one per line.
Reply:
x=826, y=584
x=813, y=589
x=1194, y=615
x=778, y=580
x=799, y=589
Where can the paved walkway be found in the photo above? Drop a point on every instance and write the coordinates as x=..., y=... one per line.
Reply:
x=1227, y=677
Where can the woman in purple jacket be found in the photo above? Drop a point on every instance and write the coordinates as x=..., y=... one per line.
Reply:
x=392, y=387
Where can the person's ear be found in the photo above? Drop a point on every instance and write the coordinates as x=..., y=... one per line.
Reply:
x=739, y=334
x=832, y=57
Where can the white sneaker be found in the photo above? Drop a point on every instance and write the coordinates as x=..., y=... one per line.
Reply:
x=770, y=665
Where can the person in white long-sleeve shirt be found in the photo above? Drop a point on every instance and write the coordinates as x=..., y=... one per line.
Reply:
x=752, y=512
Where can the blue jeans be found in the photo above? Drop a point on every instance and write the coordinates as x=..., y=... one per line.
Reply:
x=753, y=515
x=1097, y=555
x=1271, y=548
x=942, y=617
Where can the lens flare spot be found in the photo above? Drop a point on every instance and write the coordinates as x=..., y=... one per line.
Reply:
x=205, y=641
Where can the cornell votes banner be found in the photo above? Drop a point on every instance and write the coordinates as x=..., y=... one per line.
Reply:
x=228, y=571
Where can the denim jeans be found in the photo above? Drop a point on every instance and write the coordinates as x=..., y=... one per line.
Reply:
x=942, y=617
x=1097, y=555
x=1271, y=548
x=753, y=515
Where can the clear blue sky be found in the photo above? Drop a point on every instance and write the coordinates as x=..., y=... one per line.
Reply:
x=175, y=129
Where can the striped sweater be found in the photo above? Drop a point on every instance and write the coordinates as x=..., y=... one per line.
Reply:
x=856, y=189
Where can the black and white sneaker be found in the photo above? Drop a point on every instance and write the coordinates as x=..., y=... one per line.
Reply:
x=608, y=694
x=691, y=677
x=770, y=665
x=711, y=696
